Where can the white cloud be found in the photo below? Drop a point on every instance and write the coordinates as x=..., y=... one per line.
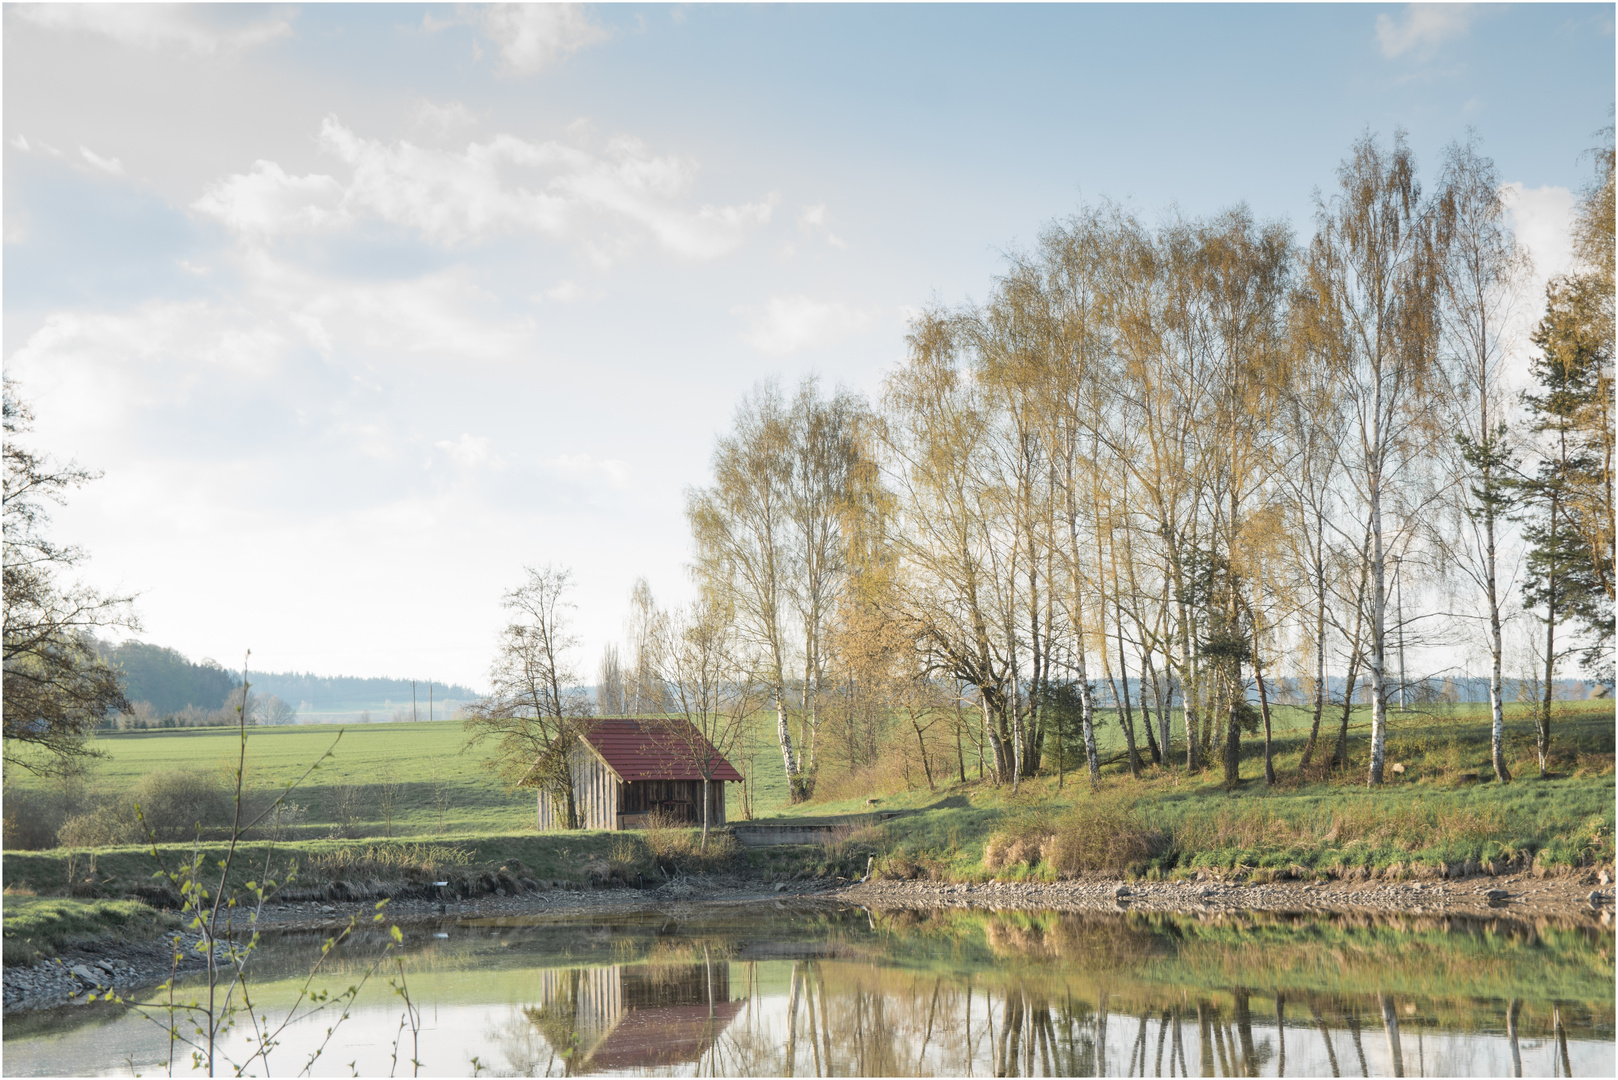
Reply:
x=1541, y=219
x=21, y=143
x=445, y=314
x=584, y=469
x=1422, y=28
x=564, y=292
x=469, y=450
x=267, y=201
x=202, y=29
x=606, y=201
x=106, y=165
x=443, y=119
x=813, y=220
x=789, y=323
x=531, y=37
x=291, y=340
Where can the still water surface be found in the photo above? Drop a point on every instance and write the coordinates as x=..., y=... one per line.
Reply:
x=778, y=989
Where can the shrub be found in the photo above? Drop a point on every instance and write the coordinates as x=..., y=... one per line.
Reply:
x=623, y=861
x=174, y=802
x=677, y=846
x=903, y=866
x=1103, y=841
x=1004, y=851
x=171, y=804
x=1025, y=838
x=107, y=823
x=32, y=818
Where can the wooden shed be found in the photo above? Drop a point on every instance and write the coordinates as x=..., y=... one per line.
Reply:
x=624, y=768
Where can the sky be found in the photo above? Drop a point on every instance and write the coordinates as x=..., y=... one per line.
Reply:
x=360, y=310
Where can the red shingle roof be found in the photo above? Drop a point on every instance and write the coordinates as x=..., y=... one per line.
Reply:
x=656, y=749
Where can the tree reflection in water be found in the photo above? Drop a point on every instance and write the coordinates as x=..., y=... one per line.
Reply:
x=831, y=990
x=1066, y=995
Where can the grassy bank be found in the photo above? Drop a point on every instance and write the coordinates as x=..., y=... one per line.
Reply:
x=1442, y=813
x=447, y=814
x=39, y=927
x=305, y=865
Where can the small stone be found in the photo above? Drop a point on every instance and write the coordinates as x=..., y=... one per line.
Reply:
x=82, y=972
x=1604, y=877
x=1497, y=894
x=781, y=886
x=1595, y=899
x=1122, y=891
x=1398, y=768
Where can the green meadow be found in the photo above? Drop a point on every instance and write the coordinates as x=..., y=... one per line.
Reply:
x=416, y=787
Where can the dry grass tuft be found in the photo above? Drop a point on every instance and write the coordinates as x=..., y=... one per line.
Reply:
x=1104, y=841
x=674, y=845
x=389, y=861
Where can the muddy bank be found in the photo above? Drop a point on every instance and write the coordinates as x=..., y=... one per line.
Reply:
x=92, y=968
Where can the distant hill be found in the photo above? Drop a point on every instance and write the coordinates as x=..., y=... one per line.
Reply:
x=166, y=679
x=171, y=683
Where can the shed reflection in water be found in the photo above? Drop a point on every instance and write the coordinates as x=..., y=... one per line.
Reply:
x=639, y=1016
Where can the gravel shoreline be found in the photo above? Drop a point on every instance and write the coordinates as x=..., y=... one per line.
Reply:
x=1522, y=897
x=127, y=967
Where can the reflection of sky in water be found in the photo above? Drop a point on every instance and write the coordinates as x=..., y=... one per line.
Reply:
x=874, y=1005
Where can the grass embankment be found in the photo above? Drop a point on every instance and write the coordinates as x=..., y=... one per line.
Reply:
x=450, y=817
x=1442, y=814
x=39, y=927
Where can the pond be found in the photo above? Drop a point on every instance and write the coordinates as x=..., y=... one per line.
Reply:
x=826, y=989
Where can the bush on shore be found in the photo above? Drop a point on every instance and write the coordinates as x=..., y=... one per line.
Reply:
x=676, y=846
x=166, y=805
x=1094, y=841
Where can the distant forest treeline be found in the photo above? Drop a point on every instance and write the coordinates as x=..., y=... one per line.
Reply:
x=163, y=682
x=166, y=679
x=340, y=693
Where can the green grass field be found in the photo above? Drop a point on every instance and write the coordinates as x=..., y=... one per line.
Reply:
x=448, y=795
x=440, y=786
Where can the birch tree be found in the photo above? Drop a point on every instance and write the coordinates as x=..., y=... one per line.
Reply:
x=741, y=527
x=935, y=441
x=1375, y=272
x=1479, y=284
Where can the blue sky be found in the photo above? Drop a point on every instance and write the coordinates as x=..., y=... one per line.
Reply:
x=360, y=309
